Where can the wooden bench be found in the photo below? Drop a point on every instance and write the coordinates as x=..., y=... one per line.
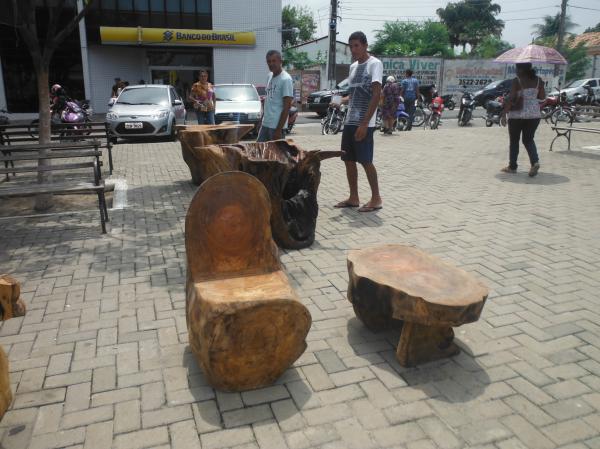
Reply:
x=565, y=131
x=63, y=132
x=246, y=325
x=389, y=283
x=87, y=156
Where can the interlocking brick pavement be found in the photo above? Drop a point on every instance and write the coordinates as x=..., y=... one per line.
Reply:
x=102, y=359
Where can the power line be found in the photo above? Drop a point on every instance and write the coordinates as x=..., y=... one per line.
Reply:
x=583, y=7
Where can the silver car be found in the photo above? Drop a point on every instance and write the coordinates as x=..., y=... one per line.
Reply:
x=146, y=110
x=237, y=103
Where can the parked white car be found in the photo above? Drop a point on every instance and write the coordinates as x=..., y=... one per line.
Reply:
x=579, y=87
x=237, y=103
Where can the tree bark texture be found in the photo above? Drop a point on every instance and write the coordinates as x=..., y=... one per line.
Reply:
x=11, y=304
x=5, y=391
x=290, y=174
x=393, y=282
x=246, y=325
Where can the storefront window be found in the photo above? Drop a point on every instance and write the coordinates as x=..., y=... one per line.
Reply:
x=203, y=6
x=200, y=58
x=125, y=5
x=141, y=5
x=189, y=6
x=157, y=5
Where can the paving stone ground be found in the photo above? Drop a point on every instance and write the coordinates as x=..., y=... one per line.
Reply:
x=102, y=358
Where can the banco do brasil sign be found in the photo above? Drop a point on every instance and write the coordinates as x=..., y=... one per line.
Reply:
x=169, y=36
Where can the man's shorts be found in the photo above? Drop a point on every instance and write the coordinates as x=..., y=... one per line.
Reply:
x=357, y=151
x=266, y=134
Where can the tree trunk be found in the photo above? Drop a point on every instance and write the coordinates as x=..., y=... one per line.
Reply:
x=43, y=201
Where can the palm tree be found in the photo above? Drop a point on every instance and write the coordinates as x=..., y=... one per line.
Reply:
x=549, y=29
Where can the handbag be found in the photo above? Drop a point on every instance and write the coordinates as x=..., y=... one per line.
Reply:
x=516, y=104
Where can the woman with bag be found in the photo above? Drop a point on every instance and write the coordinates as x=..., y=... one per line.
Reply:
x=524, y=116
x=202, y=96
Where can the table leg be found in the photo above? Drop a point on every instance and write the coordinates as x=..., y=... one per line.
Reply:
x=421, y=344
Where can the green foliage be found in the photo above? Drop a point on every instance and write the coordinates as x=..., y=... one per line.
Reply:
x=594, y=29
x=550, y=26
x=412, y=39
x=471, y=21
x=296, y=59
x=490, y=47
x=574, y=54
x=299, y=17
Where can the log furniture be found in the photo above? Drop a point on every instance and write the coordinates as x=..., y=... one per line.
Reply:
x=395, y=282
x=11, y=305
x=192, y=137
x=290, y=174
x=246, y=325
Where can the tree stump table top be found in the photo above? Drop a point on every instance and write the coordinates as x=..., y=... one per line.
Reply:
x=396, y=282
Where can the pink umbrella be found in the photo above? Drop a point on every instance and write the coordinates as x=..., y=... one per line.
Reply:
x=536, y=54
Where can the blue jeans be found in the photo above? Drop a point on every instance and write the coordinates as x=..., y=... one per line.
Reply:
x=410, y=108
x=266, y=134
x=526, y=127
x=205, y=118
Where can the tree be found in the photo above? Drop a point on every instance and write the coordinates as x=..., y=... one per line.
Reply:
x=22, y=15
x=412, y=39
x=296, y=59
x=298, y=24
x=550, y=25
x=594, y=29
x=575, y=55
x=490, y=47
x=471, y=21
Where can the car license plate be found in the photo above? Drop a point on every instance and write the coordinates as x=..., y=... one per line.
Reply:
x=133, y=125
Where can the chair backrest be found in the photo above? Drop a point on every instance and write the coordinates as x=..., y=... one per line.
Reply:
x=227, y=228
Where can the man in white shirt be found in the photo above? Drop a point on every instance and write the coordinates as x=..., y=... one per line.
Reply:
x=365, y=80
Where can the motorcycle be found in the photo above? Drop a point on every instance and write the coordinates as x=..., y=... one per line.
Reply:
x=401, y=121
x=548, y=106
x=334, y=119
x=434, y=119
x=74, y=114
x=292, y=116
x=494, y=110
x=420, y=115
x=449, y=101
x=465, y=113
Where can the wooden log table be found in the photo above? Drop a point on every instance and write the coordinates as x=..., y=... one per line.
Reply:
x=246, y=325
x=192, y=137
x=290, y=174
x=394, y=282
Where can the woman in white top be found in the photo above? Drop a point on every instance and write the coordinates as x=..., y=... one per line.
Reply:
x=523, y=110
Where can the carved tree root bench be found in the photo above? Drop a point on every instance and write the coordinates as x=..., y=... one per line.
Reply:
x=246, y=325
x=394, y=282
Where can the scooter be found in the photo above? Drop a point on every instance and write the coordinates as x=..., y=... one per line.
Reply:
x=434, y=118
x=75, y=114
x=494, y=111
x=467, y=104
x=400, y=122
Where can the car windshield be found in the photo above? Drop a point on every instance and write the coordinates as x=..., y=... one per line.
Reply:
x=144, y=95
x=493, y=85
x=236, y=93
x=575, y=83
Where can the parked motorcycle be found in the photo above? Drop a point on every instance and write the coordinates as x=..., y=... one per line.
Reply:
x=401, y=121
x=434, y=113
x=494, y=110
x=334, y=119
x=465, y=113
x=449, y=101
x=292, y=116
x=75, y=114
x=420, y=115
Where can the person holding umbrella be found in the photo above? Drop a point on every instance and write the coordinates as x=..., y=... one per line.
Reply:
x=522, y=106
x=523, y=110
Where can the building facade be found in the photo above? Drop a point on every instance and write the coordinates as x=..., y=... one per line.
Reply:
x=151, y=41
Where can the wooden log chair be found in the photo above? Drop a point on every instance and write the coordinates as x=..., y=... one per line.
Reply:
x=246, y=325
x=399, y=285
x=290, y=174
x=191, y=137
x=11, y=305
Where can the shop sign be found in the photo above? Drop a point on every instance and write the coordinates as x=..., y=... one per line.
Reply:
x=426, y=70
x=172, y=36
x=545, y=72
x=475, y=74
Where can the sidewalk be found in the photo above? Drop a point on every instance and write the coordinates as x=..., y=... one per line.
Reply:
x=102, y=359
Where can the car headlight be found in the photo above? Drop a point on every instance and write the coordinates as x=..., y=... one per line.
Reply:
x=160, y=114
x=112, y=116
x=253, y=115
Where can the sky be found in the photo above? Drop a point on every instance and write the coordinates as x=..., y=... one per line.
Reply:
x=519, y=15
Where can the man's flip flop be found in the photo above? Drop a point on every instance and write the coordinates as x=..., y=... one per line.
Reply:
x=342, y=204
x=366, y=208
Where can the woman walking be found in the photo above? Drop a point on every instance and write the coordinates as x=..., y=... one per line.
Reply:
x=202, y=96
x=523, y=110
x=391, y=100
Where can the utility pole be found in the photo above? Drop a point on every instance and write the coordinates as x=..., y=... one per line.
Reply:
x=332, y=44
x=561, y=25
